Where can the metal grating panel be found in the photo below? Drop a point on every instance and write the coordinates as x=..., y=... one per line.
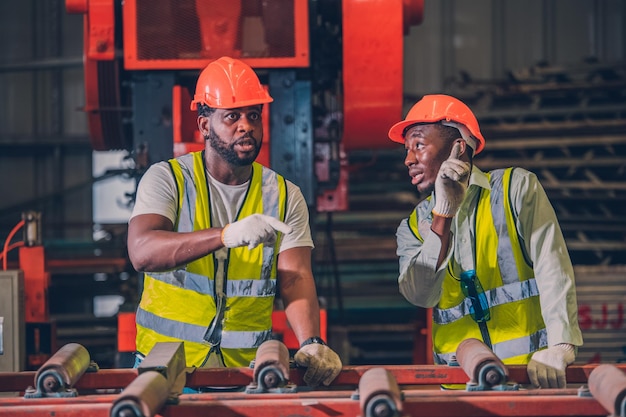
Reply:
x=161, y=34
x=601, y=302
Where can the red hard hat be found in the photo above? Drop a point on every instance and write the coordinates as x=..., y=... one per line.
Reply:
x=227, y=83
x=439, y=108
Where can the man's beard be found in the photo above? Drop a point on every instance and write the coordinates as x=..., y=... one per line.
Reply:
x=228, y=153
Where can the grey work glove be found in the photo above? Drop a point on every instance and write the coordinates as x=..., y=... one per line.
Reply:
x=546, y=368
x=322, y=363
x=451, y=184
x=253, y=230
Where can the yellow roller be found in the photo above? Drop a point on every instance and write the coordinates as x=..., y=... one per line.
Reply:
x=57, y=376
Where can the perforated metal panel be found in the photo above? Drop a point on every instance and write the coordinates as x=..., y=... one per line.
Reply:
x=601, y=303
x=187, y=34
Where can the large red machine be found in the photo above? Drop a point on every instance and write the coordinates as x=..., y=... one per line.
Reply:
x=334, y=70
x=336, y=84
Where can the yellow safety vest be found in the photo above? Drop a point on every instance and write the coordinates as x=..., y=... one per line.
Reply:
x=180, y=305
x=516, y=328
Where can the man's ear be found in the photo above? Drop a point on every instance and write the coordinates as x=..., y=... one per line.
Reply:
x=203, y=125
x=466, y=150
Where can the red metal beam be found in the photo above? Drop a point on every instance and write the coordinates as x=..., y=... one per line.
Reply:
x=449, y=405
x=434, y=403
x=61, y=409
x=349, y=376
x=53, y=402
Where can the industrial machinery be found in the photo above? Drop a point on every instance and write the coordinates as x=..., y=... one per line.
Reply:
x=318, y=59
x=28, y=332
x=68, y=385
x=141, y=61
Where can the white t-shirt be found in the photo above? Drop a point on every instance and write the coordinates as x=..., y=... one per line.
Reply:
x=157, y=194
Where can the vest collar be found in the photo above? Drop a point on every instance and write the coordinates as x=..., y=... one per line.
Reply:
x=479, y=178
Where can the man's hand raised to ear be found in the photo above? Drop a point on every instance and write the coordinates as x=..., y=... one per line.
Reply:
x=451, y=184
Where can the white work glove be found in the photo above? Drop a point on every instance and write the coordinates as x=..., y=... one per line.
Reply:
x=252, y=231
x=546, y=368
x=451, y=184
x=322, y=363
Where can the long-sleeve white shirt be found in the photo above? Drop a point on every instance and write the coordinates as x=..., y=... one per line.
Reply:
x=420, y=280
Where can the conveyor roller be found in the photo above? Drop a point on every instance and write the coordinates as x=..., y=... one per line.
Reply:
x=379, y=394
x=57, y=376
x=144, y=397
x=607, y=384
x=271, y=368
x=485, y=370
x=159, y=372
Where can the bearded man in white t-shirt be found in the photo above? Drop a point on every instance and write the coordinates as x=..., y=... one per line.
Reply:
x=217, y=235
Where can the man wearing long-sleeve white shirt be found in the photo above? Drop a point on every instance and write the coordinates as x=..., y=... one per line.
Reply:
x=485, y=250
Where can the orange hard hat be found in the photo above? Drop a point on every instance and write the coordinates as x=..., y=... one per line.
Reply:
x=448, y=110
x=227, y=83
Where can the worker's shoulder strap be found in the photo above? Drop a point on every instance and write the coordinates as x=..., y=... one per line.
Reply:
x=187, y=169
x=500, y=198
x=423, y=210
x=505, y=215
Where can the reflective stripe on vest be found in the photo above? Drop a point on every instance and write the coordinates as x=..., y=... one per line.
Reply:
x=509, y=349
x=194, y=333
x=199, y=283
x=496, y=296
x=507, y=278
x=180, y=304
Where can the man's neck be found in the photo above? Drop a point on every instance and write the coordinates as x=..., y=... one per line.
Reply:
x=228, y=174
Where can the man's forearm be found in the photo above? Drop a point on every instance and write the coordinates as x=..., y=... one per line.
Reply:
x=304, y=317
x=441, y=227
x=297, y=289
x=160, y=250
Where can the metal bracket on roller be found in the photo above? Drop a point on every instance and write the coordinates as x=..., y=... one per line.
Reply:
x=271, y=370
x=487, y=374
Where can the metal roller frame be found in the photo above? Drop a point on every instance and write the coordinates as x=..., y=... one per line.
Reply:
x=349, y=376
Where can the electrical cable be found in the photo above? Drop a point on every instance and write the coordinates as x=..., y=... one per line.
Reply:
x=17, y=227
x=11, y=247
